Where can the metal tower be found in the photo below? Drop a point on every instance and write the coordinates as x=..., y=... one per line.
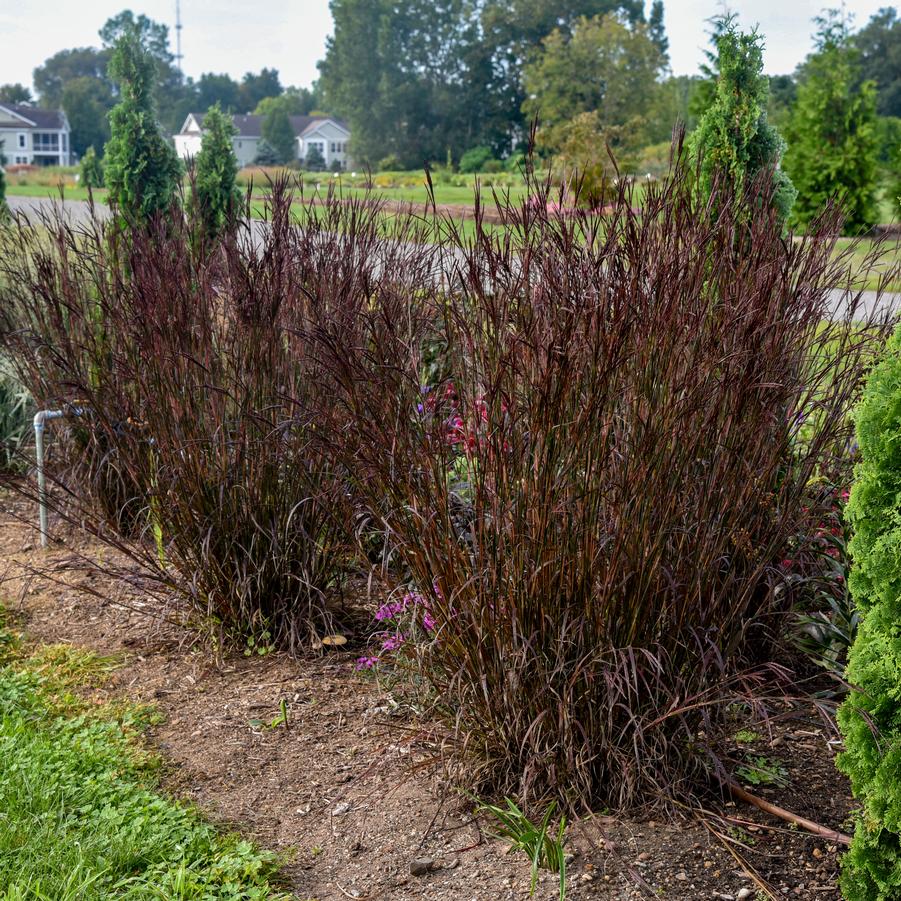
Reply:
x=178, y=55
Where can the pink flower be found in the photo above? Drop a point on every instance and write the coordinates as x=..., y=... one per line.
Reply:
x=366, y=662
x=392, y=643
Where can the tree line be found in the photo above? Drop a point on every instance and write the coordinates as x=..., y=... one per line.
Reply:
x=79, y=82
x=460, y=82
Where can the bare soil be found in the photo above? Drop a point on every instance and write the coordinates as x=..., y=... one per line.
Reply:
x=351, y=791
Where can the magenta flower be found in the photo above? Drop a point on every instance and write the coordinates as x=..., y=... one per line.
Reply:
x=392, y=643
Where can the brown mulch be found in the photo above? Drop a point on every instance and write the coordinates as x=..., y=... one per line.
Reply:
x=351, y=791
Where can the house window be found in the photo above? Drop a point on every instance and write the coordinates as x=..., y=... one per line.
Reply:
x=22, y=144
x=21, y=160
x=46, y=142
x=65, y=143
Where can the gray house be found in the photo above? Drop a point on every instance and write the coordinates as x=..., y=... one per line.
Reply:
x=329, y=136
x=34, y=137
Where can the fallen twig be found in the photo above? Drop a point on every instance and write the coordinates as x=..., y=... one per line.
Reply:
x=783, y=814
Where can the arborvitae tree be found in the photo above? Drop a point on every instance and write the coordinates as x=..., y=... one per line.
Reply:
x=142, y=168
x=278, y=133
x=734, y=137
x=215, y=189
x=832, y=132
x=870, y=718
x=91, y=169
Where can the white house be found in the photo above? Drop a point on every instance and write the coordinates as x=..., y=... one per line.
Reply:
x=34, y=137
x=330, y=136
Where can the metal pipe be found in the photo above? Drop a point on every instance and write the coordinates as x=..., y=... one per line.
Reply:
x=40, y=418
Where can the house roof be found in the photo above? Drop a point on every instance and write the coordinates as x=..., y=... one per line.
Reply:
x=252, y=126
x=35, y=118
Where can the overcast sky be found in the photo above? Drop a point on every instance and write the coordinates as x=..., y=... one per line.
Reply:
x=235, y=36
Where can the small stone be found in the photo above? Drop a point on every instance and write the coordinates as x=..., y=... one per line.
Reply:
x=817, y=852
x=341, y=808
x=744, y=894
x=644, y=856
x=682, y=877
x=421, y=866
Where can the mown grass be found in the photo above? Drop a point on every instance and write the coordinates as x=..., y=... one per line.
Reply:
x=81, y=814
x=890, y=262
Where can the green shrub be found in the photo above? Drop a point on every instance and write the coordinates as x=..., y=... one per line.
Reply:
x=474, y=160
x=314, y=160
x=390, y=163
x=91, y=169
x=515, y=163
x=267, y=155
x=870, y=718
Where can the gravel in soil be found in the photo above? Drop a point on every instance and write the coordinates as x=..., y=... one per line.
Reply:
x=351, y=791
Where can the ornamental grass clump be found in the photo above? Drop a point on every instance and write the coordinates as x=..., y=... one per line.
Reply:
x=195, y=366
x=590, y=448
x=870, y=718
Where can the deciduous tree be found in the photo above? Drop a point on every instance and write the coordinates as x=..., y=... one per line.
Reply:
x=87, y=103
x=879, y=46
x=51, y=78
x=15, y=93
x=256, y=86
x=606, y=66
x=222, y=89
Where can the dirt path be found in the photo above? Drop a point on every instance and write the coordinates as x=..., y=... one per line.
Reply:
x=350, y=790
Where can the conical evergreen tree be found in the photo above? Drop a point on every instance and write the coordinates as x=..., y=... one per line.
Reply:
x=216, y=167
x=734, y=137
x=832, y=133
x=142, y=169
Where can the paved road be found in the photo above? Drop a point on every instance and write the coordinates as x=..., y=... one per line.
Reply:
x=78, y=211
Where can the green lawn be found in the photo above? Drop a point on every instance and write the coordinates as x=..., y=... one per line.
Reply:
x=889, y=263
x=81, y=814
x=70, y=193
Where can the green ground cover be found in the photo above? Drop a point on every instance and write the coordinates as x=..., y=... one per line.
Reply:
x=81, y=813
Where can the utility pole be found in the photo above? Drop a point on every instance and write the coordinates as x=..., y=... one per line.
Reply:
x=178, y=56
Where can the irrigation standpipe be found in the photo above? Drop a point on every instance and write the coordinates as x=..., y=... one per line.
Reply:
x=40, y=418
